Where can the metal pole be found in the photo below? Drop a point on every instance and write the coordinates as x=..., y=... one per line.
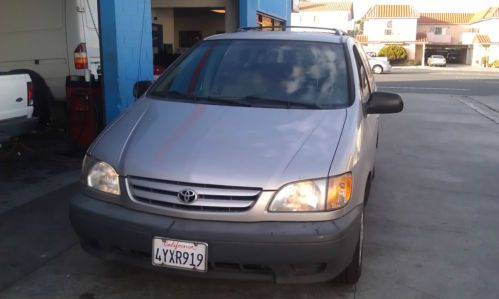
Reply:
x=423, y=54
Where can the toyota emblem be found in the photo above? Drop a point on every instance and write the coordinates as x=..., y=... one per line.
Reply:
x=187, y=196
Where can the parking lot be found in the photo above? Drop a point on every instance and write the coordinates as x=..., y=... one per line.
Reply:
x=431, y=222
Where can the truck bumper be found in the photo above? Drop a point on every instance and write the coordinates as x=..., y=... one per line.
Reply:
x=16, y=127
x=277, y=251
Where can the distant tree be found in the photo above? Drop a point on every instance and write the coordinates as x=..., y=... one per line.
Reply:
x=394, y=53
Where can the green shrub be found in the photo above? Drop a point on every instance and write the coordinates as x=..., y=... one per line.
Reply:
x=496, y=63
x=394, y=53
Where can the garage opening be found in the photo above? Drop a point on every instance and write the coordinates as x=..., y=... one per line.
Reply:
x=175, y=30
x=455, y=54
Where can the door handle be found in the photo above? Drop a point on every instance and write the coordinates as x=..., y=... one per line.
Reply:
x=19, y=100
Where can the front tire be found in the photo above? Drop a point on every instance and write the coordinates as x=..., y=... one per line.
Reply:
x=377, y=69
x=353, y=271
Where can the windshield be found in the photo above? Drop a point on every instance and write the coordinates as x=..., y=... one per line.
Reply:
x=276, y=73
x=438, y=56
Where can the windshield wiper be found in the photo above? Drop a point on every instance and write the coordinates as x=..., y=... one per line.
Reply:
x=288, y=104
x=177, y=94
x=236, y=101
x=247, y=101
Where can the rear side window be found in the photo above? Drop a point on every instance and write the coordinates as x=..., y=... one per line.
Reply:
x=291, y=71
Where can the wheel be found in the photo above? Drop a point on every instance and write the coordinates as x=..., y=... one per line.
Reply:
x=368, y=188
x=377, y=69
x=353, y=271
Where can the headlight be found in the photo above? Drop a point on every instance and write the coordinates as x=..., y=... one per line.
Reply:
x=313, y=195
x=100, y=175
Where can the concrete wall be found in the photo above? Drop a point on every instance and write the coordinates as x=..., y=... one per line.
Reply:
x=163, y=11
x=208, y=25
x=165, y=17
x=402, y=29
x=330, y=19
x=277, y=8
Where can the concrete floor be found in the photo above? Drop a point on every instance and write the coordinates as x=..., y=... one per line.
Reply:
x=431, y=224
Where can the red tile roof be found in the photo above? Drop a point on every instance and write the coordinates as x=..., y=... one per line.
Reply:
x=486, y=14
x=482, y=39
x=326, y=6
x=391, y=11
x=432, y=18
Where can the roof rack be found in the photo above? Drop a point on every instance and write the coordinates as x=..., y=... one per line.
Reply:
x=283, y=27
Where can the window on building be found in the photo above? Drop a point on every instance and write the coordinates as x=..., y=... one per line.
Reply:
x=438, y=31
x=274, y=24
x=388, y=28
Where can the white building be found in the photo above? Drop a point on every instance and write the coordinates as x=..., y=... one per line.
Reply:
x=337, y=15
x=394, y=24
x=485, y=25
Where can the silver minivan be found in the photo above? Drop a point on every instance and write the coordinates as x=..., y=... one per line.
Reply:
x=251, y=157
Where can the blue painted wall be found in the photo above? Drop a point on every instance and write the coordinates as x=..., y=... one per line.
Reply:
x=277, y=8
x=126, y=51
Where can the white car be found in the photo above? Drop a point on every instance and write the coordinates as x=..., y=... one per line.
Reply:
x=379, y=66
x=437, y=60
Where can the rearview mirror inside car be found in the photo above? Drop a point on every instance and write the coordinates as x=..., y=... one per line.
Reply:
x=140, y=87
x=384, y=102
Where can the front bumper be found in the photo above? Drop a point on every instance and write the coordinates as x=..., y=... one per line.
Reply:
x=277, y=251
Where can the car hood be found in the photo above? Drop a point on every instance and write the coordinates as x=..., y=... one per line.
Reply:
x=221, y=145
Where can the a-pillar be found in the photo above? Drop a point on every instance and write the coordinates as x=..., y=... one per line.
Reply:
x=126, y=51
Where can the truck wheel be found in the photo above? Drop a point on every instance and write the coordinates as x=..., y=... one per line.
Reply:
x=353, y=271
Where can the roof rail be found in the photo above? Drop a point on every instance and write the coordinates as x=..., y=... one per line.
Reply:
x=283, y=27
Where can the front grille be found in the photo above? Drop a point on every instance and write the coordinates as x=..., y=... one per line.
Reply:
x=210, y=198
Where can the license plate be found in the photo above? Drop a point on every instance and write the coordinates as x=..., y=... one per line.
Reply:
x=186, y=255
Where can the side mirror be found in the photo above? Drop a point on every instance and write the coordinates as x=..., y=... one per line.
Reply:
x=384, y=102
x=140, y=87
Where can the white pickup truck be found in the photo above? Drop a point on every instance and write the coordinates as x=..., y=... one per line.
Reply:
x=16, y=106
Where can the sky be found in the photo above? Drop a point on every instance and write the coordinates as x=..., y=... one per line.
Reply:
x=361, y=6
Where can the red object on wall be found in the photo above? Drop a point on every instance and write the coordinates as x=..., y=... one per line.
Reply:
x=84, y=112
